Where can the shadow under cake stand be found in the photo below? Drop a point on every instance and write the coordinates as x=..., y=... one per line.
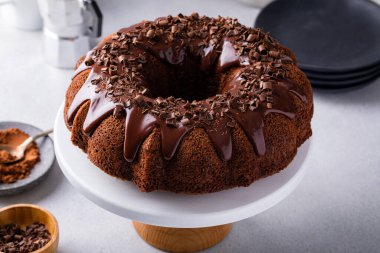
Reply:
x=169, y=221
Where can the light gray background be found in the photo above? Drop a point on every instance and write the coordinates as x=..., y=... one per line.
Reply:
x=335, y=209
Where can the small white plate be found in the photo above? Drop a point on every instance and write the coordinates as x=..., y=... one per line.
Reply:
x=40, y=170
x=167, y=208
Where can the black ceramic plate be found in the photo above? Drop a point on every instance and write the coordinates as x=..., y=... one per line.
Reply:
x=38, y=173
x=325, y=83
x=326, y=35
x=342, y=76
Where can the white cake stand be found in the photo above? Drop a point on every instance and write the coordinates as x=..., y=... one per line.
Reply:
x=177, y=222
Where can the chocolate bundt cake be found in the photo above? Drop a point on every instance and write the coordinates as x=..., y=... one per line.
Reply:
x=189, y=104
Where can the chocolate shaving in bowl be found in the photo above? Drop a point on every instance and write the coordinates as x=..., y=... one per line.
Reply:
x=15, y=239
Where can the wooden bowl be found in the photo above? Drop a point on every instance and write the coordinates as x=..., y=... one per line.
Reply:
x=26, y=214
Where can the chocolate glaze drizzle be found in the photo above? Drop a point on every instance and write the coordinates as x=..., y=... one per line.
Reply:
x=259, y=80
x=82, y=67
x=137, y=127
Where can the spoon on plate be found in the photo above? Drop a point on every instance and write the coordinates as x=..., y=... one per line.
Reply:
x=18, y=152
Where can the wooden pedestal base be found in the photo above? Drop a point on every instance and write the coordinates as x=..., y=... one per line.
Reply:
x=182, y=239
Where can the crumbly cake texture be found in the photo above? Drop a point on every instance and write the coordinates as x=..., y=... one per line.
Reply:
x=189, y=104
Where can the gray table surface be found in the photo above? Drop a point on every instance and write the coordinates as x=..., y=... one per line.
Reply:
x=336, y=208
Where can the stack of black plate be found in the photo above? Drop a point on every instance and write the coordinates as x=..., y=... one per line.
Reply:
x=337, y=42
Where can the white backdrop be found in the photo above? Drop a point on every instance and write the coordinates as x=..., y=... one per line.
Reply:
x=335, y=209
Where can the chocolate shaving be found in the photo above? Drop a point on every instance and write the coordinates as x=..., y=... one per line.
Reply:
x=13, y=238
x=150, y=34
x=259, y=56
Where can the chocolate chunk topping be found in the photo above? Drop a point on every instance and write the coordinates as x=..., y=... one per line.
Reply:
x=119, y=67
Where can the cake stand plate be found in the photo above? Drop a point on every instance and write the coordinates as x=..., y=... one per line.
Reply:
x=170, y=215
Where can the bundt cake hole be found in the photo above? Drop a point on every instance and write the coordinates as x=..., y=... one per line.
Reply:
x=187, y=81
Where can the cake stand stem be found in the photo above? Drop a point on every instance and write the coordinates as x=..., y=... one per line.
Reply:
x=182, y=239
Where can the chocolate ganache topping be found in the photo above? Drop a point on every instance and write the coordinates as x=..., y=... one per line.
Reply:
x=141, y=72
